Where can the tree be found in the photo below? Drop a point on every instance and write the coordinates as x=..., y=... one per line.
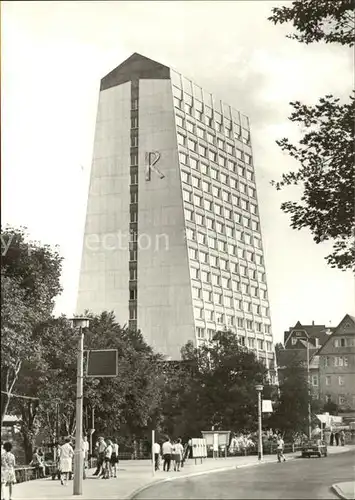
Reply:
x=30, y=275
x=291, y=411
x=325, y=152
x=218, y=389
x=319, y=20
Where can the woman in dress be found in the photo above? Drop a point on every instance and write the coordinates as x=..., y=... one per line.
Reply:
x=8, y=477
x=65, y=461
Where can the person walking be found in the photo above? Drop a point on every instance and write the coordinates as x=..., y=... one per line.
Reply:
x=342, y=437
x=337, y=437
x=100, y=447
x=157, y=451
x=114, y=458
x=178, y=452
x=107, y=460
x=85, y=453
x=66, y=461
x=167, y=451
x=280, y=449
x=8, y=477
x=331, y=443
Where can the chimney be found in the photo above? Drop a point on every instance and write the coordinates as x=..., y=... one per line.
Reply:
x=312, y=323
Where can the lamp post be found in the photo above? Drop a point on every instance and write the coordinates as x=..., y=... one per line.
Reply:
x=80, y=323
x=259, y=388
x=309, y=410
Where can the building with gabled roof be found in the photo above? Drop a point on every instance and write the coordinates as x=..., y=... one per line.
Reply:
x=337, y=366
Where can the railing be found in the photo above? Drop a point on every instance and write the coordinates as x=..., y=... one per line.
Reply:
x=29, y=473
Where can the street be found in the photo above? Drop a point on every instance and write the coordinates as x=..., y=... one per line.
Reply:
x=295, y=479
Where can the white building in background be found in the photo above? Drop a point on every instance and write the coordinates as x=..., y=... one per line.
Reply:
x=172, y=238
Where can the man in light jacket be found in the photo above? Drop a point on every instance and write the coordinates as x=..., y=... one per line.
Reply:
x=167, y=451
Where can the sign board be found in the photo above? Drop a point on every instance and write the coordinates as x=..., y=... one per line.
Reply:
x=199, y=448
x=102, y=363
x=267, y=406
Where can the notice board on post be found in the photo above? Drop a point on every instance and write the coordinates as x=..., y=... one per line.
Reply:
x=199, y=448
x=102, y=363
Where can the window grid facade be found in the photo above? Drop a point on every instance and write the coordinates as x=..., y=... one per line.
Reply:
x=221, y=206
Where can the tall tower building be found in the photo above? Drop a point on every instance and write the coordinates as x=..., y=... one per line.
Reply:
x=172, y=238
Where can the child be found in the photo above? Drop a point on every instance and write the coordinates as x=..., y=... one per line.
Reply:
x=7, y=470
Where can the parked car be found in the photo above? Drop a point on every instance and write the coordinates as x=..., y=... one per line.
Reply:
x=314, y=447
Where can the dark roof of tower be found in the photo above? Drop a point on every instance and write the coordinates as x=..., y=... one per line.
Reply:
x=133, y=68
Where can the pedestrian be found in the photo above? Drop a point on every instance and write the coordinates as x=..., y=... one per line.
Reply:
x=157, y=451
x=280, y=449
x=188, y=451
x=178, y=452
x=100, y=447
x=167, y=451
x=38, y=462
x=8, y=477
x=342, y=438
x=114, y=458
x=107, y=460
x=66, y=461
x=85, y=452
x=331, y=439
x=337, y=437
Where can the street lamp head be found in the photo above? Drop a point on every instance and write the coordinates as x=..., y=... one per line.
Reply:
x=259, y=387
x=80, y=322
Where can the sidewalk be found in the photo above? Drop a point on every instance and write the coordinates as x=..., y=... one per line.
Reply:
x=346, y=491
x=134, y=476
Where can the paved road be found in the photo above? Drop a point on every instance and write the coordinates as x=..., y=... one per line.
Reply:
x=301, y=478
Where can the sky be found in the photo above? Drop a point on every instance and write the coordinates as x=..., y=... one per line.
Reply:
x=53, y=57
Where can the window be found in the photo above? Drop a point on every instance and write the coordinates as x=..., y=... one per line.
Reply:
x=186, y=195
x=253, y=209
x=207, y=296
x=134, y=122
x=256, y=310
x=257, y=242
x=227, y=196
x=132, y=313
x=230, y=320
x=133, y=294
x=245, y=288
x=342, y=399
x=193, y=253
x=190, y=126
x=134, y=104
x=259, y=259
x=220, y=143
x=224, y=178
x=190, y=234
x=231, y=165
x=133, y=274
x=209, y=315
x=185, y=177
x=224, y=264
x=267, y=328
x=179, y=121
x=239, y=155
x=228, y=301
x=199, y=219
x=203, y=257
x=202, y=150
x=196, y=292
x=188, y=214
x=216, y=279
x=196, y=182
x=191, y=144
x=269, y=346
x=200, y=332
x=247, y=159
x=214, y=173
x=134, y=216
x=216, y=191
x=134, y=178
x=340, y=361
x=133, y=255
x=264, y=294
x=197, y=200
x=200, y=132
x=220, y=227
x=341, y=380
x=250, y=256
x=243, y=270
x=241, y=170
x=205, y=169
x=229, y=148
x=252, y=192
x=221, y=246
x=228, y=214
x=221, y=161
x=231, y=249
x=238, y=304
x=188, y=108
x=177, y=103
x=206, y=186
x=195, y=274
x=208, y=204
x=194, y=163
x=226, y=283
x=235, y=200
x=237, y=131
x=251, y=343
x=249, y=324
x=211, y=242
x=217, y=297
x=219, y=317
x=240, y=322
x=206, y=276
x=208, y=116
x=241, y=253
x=134, y=159
x=237, y=217
x=340, y=342
x=255, y=225
x=294, y=340
x=210, y=334
x=244, y=204
x=213, y=261
x=245, y=136
x=212, y=155
x=181, y=139
x=243, y=188
x=233, y=183
x=183, y=158
x=210, y=138
x=218, y=209
x=261, y=345
x=198, y=312
x=134, y=197
x=314, y=380
x=250, y=175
